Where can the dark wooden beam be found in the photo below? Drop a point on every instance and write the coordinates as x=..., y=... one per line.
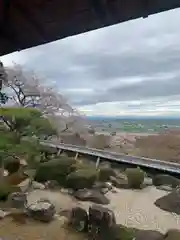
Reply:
x=28, y=16
x=101, y=10
x=6, y=27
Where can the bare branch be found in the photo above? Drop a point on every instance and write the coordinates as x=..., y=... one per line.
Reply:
x=28, y=91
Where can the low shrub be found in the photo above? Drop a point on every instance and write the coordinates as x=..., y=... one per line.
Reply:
x=56, y=169
x=82, y=178
x=12, y=165
x=135, y=177
x=5, y=190
x=105, y=173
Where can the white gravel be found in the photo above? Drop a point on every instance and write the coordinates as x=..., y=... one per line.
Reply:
x=132, y=208
x=137, y=209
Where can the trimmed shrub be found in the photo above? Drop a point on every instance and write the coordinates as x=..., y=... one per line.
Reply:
x=105, y=173
x=12, y=165
x=56, y=169
x=82, y=178
x=82, y=165
x=135, y=177
x=5, y=190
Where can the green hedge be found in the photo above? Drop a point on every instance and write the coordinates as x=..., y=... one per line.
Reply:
x=135, y=177
x=82, y=178
x=56, y=169
x=105, y=173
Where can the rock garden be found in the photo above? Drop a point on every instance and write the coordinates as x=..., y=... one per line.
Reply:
x=46, y=196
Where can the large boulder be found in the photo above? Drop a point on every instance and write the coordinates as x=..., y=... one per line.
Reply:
x=170, y=202
x=135, y=177
x=56, y=169
x=52, y=184
x=101, y=221
x=17, y=200
x=148, y=235
x=91, y=195
x=79, y=219
x=43, y=210
x=29, y=184
x=82, y=178
x=172, y=234
x=3, y=214
x=164, y=179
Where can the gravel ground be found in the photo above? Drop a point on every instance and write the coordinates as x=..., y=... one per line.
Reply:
x=132, y=208
x=10, y=230
x=136, y=209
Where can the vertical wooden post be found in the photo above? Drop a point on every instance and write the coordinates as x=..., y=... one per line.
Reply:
x=76, y=156
x=59, y=152
x=97, y=162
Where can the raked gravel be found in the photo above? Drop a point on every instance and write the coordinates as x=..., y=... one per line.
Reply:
x=133, y=208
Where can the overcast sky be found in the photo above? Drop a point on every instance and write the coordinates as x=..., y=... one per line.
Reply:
x=128, y=69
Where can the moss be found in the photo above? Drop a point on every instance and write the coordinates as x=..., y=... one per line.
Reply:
x=135, y=177
x=120, y=232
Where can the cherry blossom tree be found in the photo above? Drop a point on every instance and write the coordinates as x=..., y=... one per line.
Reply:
x=28, y=90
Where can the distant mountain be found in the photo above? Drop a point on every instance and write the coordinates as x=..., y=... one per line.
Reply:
x=132, y=117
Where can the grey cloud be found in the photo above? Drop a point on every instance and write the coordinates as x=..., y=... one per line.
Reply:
x=102, y=59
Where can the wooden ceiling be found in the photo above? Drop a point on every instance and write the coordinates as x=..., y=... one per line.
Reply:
x=28, y=23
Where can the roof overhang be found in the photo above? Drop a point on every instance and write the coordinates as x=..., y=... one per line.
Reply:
x=28, y=23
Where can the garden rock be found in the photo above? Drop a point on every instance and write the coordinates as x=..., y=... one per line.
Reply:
x=3, y=214
x=148, y=181
x=170, y=202
x=119, y=183
x=37, y=185
x=101, y=221
x=148, y=235
x=43, y=210
x=17, y=200
x=163, y=179
x=79, y=219
x=28, y=184
x=120, y=232
x=103, y=187
x=91, y=195
x=172, y=234
x=165, y=188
